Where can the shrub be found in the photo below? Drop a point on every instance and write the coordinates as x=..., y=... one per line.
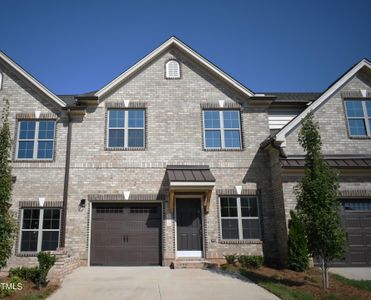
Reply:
x=19, y=272
x=253, y=261
x=37, y=275
x=231, y=259
x=46, y=261
x=297, y=258
x=25, y=273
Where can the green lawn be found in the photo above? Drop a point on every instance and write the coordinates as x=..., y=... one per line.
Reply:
x=300, y=287
x=361, y=284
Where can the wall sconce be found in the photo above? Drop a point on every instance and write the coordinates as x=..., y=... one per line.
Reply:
x=82, y=203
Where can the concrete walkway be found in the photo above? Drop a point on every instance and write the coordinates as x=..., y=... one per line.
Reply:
x=160, y=283
x=353, y=273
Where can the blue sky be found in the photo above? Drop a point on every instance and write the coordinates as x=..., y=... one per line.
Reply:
x=78, y=46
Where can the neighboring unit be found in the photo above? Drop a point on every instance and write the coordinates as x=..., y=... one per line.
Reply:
x=175, y=161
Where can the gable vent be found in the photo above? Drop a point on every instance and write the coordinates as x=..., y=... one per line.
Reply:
x=172, y=69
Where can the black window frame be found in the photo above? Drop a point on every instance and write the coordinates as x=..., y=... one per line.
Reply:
x=40, y=230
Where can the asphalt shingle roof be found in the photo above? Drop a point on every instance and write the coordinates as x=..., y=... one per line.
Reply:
x=70, y=99
x=294, y=96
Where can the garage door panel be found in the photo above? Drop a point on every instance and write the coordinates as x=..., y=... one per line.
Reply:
x=367, y=222
x=125, y=234
x=352, y=222
x=356, y=220
x=355, y=239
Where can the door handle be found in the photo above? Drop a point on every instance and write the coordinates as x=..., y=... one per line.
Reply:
x=125, y=238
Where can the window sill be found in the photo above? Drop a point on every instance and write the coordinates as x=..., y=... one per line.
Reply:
x=125, y=149
x=360, y=137
x=32, y=160
x=222, y=149
x=252, y=241
x=34, y=254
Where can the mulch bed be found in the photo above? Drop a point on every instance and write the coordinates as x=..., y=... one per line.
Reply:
x=310, y=282
x=29, y=289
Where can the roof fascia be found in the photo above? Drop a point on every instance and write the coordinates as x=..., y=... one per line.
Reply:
x=32, y=80
x=193, y=54
x=281, y=135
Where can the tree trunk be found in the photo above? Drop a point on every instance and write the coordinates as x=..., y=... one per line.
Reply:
x=325, y=279
x=326, y=272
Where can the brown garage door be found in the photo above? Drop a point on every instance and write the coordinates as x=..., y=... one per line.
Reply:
x=125, y=234
x=356, y=220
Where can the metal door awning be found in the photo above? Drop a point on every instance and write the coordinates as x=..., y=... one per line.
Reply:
x=189, y=178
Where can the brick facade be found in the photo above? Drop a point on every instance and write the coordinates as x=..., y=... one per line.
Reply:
x=335, y=141
x=174, y=136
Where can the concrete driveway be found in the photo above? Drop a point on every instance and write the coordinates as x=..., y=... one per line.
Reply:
x=353, y=273
x=160, y=283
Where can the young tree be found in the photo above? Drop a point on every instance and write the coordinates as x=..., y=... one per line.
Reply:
x=298, y=256
x=7, y=224
x=317, y=204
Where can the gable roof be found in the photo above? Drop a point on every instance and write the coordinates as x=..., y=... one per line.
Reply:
x=173, y=41
x=31, y=79
x=280, y=136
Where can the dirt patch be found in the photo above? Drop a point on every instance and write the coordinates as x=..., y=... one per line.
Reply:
x=309, y=281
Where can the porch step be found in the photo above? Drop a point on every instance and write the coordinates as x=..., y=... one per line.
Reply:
x=191, y=264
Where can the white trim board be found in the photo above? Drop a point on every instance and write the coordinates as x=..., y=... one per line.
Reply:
x=173, y=41
x=281, y=135
x=32, y=80
x=188, y=253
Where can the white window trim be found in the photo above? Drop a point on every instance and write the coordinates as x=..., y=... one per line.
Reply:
x=126, y=129
x=40, y=230
x=239, y=218
x=365, y=118
x=168, y=71
x=35, y=140
x=222, y=130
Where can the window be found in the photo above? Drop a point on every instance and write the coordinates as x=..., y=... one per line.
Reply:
x=36, y=139
x=240, y=218
x=40, y=229
x=172, y=69
x=222, y=129
x=1, y=80
x=358, y=205
x=125, y=128
x=359, y=117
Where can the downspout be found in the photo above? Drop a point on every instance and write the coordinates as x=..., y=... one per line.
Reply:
x=66, y=180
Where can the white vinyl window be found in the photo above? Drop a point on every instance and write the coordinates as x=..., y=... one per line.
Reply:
x=222, y=129
x=359, y=117
x=40, y=229
x=239, y=218
x=172, y=69
x=35, y=139
x=126, y=128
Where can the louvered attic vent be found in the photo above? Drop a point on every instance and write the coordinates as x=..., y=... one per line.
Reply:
x=172, y=69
